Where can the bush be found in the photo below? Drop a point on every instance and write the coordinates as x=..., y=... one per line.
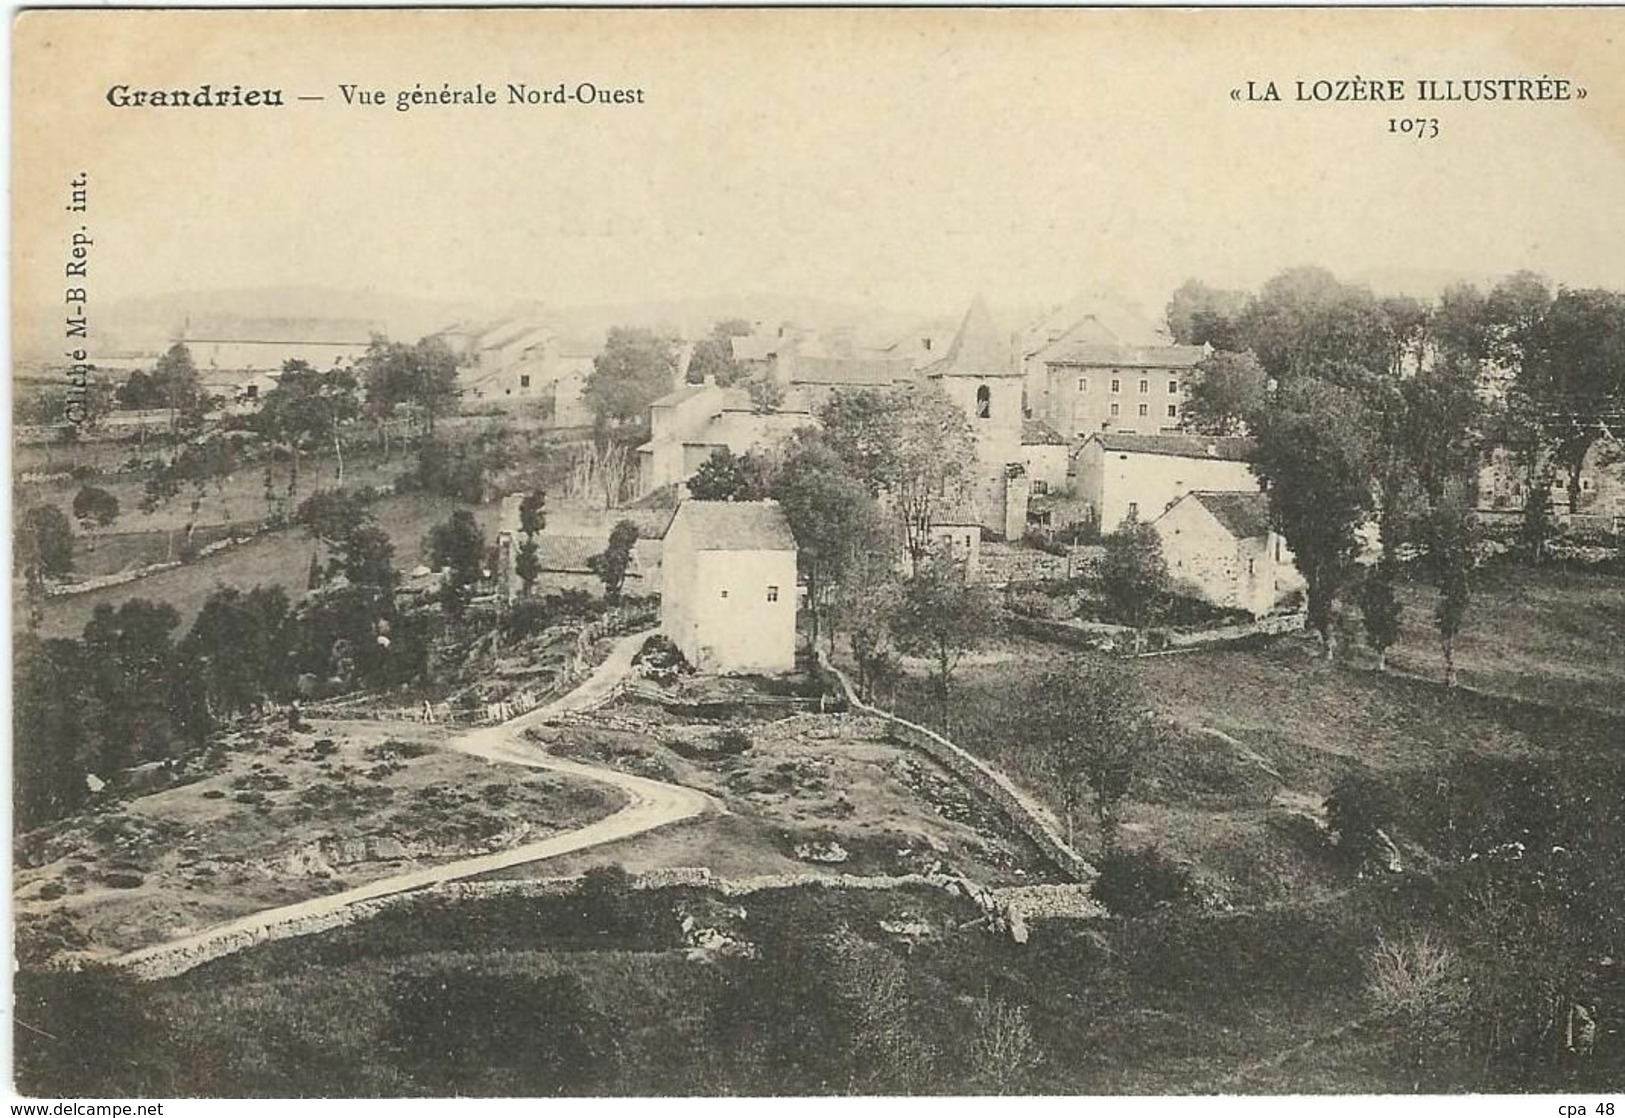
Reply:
x=91, y=1032
x=733, y=741
x=1358, y=807
x=527, y=618
x=518, y=1033
x=1135, y=882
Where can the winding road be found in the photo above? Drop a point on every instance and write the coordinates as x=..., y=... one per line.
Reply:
x=650, y=804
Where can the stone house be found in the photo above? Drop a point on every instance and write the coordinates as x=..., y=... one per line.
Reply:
x=1220, y=548
x=728, y=597
x=570, y=538
x=689, y=424
x=1504, y=484
x=1115, y=474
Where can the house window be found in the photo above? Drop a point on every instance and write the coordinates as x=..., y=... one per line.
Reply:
x=724, y=593
x=1173, y=388
x=1250, y=564
x=772, y=593
x=1040, y=487
x=1133, y=508
x=253, y=392
x=1114, y=409
x=1145, y=410
x=524, y=380
x=1585, y=485
x=1145, y=386
x=1117, y=386
x=926, y=343
x=1173, y=411
x=1083, y=384
x=984, y=402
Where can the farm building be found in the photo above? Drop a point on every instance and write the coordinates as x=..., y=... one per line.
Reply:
x=728, y=596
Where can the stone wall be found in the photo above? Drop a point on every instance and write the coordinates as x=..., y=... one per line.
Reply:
x=994, y=785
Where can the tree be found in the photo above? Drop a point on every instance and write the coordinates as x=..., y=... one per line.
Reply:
x=533, y=512
x=1537, y=526
x=131, y=677
x=1380, y=608
x=44, y=544
x=911, y=443
x=832, y=516
x=726, y=476
x=1452, y=543
x=367, y=557
x=1315, y=460
x=1228, y=389
x=1574, y=372
x=863, y=600
x=457, y=546
x=1087, y=720
x=942, y=615
x=1304, y=322
x=237, y=649
x=422, y=375
x=307, y=405
x=48, y=730
x=611, y=564
x=713, y=357
x=636, y=367
x=1133, y=575
x=527, y=564
x=95, y=507
x=1202, y=315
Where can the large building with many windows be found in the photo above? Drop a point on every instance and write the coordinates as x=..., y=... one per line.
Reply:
x=1090, y=386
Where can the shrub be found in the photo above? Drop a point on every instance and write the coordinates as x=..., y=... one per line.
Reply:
x=733, y=741
x=91, y=1032
x=1135, y=882
x=527, y=618
x=1358, y=807
x=531, y=1035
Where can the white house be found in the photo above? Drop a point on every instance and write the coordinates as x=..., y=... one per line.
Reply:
x=1220, y=548
x=1116, y=474
x=728, y=597
x=691, y=423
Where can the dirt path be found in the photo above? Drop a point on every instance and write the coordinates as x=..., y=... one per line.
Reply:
x=650, y=804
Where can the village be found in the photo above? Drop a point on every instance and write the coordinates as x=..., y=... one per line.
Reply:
x=975, y=649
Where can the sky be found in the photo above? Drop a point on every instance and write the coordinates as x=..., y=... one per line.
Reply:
x=904, y=159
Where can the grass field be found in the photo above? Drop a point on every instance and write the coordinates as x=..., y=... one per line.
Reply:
x=1553, y=635
x=276, y=559
x=1256, y=737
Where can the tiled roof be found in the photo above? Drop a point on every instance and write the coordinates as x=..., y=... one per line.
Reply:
x=877, y=372
x=1244, y=515
x=1227, y=447
x=678, y=395
x=1084, y=351
x=1035, y=432
x=736, y=525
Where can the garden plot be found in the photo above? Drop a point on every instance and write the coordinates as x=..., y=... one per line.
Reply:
x=268, y=818
x=822, y=793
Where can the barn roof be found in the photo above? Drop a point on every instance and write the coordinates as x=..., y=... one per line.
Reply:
x=1243, y=515
x=736, y=525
